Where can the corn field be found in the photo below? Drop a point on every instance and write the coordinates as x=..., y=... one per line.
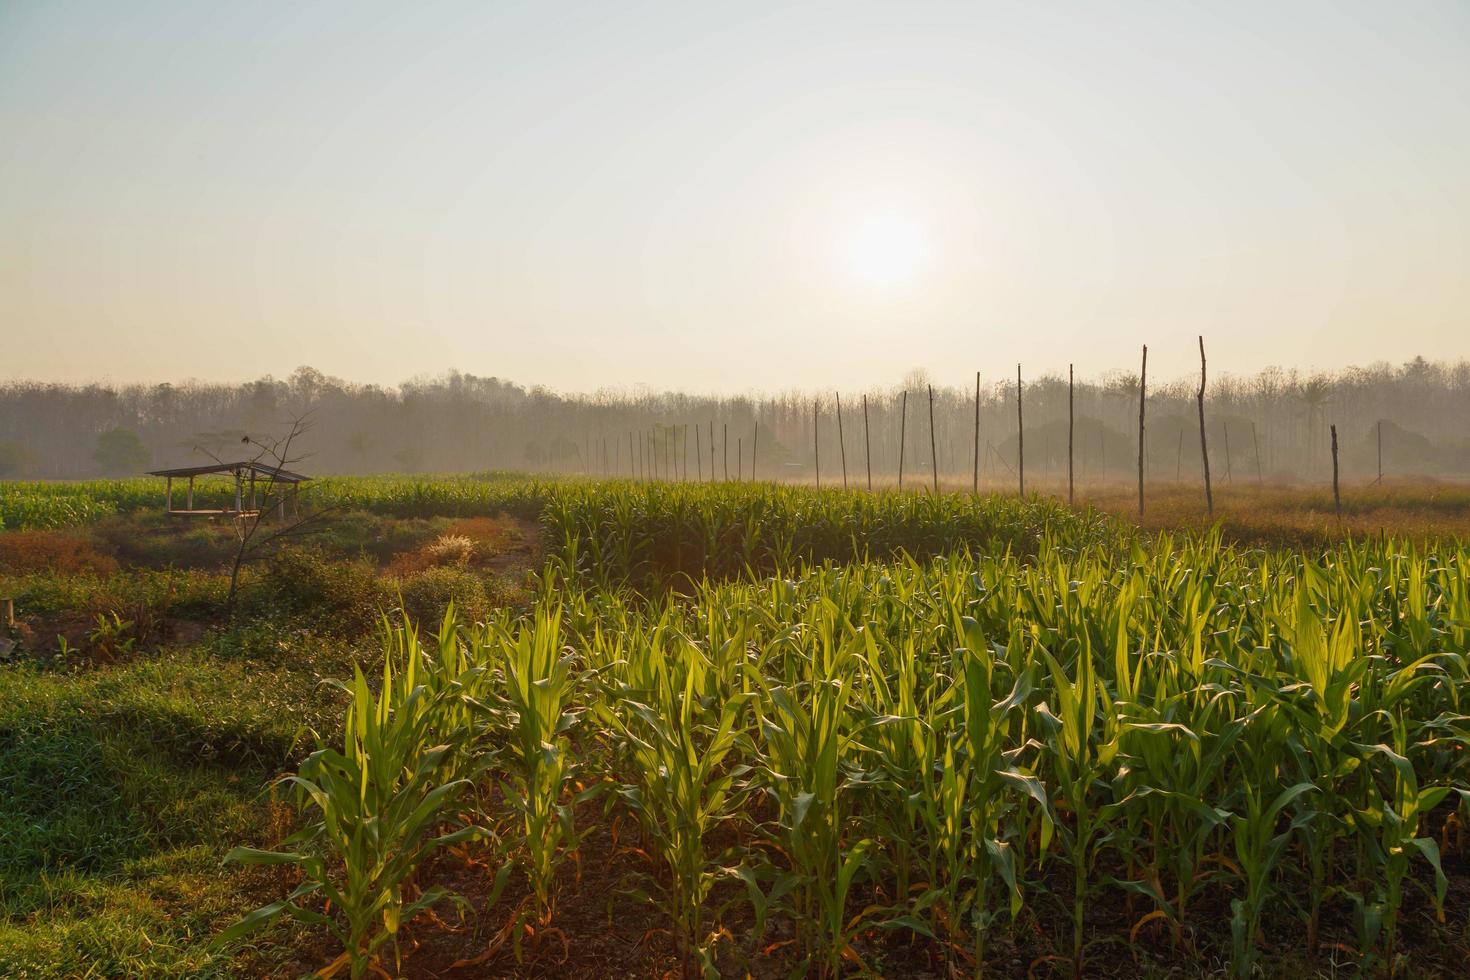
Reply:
x=842, y=725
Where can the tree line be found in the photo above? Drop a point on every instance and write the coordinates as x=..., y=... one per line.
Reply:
x=1272, y=425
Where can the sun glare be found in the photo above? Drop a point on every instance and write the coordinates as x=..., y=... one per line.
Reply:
x=886, y=251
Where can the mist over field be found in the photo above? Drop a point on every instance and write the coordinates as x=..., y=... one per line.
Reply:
x=459, y=422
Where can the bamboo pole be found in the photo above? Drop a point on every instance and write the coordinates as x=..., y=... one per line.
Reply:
x=867, y=445
x=1142, y=401
x=933, y=450
x=841, y=442
x=1203, y=447
x=975, y=476
x=903, y=419
x=1020, y=436
x=1071, y=429
x=816, y=445
x=1256, y=444
x=1380, y=452
x=1336, y=494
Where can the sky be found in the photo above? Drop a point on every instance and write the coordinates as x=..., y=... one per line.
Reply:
x=729, y=196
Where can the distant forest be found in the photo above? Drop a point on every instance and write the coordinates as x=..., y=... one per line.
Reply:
x=1273, y=425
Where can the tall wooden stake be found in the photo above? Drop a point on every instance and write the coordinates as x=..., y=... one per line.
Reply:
x=1336, y=495
x=975, y=476
x=712, y=450
x=867, y=445
x=1203, y=447
x=841, y=443
x=1380, y=452
x=698, y=456
x=739, y=457
x=933, y=450
x=755, y=441
x=1179, y=458
x=1256, y=444
x=1225, y=430
x=903, y=419
x=725, y=448
x=1142, y=401
x=1071, y=430
x=1020, y=435
x=816, y=445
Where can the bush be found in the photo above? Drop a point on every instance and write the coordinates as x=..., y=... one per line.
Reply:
x=451, y=549
x=342, y=598
x=428, y=593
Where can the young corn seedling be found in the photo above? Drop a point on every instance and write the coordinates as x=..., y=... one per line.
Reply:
x=678, y=724
x=534, y=714
x=380, y=806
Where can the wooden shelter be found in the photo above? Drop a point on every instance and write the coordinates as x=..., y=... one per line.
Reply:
x=248, y=474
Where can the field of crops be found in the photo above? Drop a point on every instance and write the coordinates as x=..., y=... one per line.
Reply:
x=829, y=733
x=1227, y=749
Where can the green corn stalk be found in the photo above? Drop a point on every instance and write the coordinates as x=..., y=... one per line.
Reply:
x=379, y=806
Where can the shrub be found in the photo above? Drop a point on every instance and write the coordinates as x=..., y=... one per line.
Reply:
x=451, y=549
x=428, y=593
x=341, y=597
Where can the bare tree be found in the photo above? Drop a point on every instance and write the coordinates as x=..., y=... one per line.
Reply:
x=255, y=539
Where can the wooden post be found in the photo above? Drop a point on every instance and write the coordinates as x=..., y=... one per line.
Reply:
x=739, y=457
x=1142, y=401
x=725, y=447
x=867, y=445
x=1179, y=458
x=7, y=613
x=1071, y=429
x=168, y=495
x=816, y=445
x=975, y=476
x=1020, y=436
x=712, y=450
x=1380, y=452
x=237, y=491
x=1225, y=431
x=1336, y=495
x=641, y=468
x=755, y=441
x=841, y=442
x=1256, y=444
x=1203, y=447
x=698, y=456
x=933, y=450
x=903, y=421
x=632, y=466
x=191, y=493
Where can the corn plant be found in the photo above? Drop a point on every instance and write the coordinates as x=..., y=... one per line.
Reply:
x=380, y=808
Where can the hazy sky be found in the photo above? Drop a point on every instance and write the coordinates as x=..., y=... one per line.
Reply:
x=724, y=196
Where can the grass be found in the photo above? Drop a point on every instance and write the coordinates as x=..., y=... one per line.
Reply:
x=119, y=788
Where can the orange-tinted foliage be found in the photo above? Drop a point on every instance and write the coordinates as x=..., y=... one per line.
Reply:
x=66, y=552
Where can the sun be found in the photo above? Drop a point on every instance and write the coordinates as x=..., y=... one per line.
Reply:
x=885, y=251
